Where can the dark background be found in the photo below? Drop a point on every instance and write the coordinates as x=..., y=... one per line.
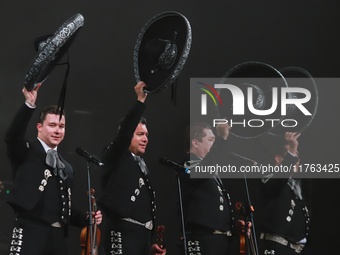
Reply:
x=100, y=87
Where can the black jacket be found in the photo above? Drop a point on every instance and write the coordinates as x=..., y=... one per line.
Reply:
x=206, y=202
x=36, y=191
x=127, y=192
x=281, y=211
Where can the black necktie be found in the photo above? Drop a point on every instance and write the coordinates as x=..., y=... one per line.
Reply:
x=53, y=160
x=141, y=164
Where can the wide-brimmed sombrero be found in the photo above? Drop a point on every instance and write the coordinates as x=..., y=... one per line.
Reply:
x=50, y=50
x=260, y=77
x=161, y=50
x=295, y=120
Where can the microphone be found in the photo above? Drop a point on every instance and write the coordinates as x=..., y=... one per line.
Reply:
x=167, y=162
x=90, y=158
x=243, y=159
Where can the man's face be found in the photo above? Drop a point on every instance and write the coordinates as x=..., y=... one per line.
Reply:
x=139, y=140
x=52, y=131
x=203, y=147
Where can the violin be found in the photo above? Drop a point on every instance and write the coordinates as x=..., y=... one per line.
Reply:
x=90, y=235
x=242, y=235
x=247, y=244
x=160, y=236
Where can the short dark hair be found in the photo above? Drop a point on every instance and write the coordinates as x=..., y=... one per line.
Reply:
x=142, y=120
x=51, y=109
x=195, y=131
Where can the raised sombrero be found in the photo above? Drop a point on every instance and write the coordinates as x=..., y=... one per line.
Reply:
x=161, y=50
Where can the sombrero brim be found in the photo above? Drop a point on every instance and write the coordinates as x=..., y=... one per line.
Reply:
x=261, y=77
x=298, y=77
x=51, y=51
x=166, y=29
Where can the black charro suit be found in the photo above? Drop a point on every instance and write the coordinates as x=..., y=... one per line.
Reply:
x=207, y=207
x=282, y=213
x=39, y=198
x=127, y=193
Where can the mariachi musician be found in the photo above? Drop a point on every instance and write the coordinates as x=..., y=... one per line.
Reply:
x=128, y=199
x=284, y=216
x=41, y=194
x=207, y=209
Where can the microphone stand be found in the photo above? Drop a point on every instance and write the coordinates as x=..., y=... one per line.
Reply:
x=249, y=211
x=90, y=204
x=182, y=213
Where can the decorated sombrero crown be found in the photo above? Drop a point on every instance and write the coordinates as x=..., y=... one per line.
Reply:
x=50, y=49
x=161, y=50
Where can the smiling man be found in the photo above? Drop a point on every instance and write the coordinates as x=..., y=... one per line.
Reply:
x=139, y=140
x=41, y=194
x=128, y=199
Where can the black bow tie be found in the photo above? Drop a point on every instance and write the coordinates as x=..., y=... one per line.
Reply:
x=53, y=160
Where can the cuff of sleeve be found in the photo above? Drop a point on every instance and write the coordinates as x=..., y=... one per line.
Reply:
x=32, y=106
x=294, y=155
